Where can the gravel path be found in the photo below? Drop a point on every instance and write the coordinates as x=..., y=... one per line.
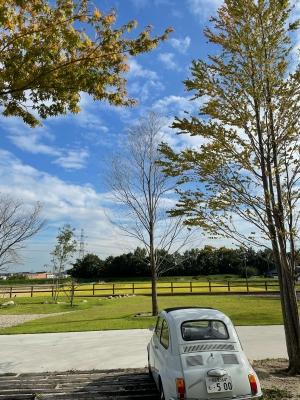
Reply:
x=12, y=320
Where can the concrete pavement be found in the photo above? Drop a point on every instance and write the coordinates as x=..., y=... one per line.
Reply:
x=111, y=349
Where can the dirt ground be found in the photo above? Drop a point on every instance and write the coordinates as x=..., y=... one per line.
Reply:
x=276, y=384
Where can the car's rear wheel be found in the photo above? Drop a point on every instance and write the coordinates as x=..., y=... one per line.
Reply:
x=161, y=391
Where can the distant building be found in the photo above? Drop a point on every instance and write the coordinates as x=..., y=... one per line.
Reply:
x=5, y=275
x=40, y=275
x=37, y=275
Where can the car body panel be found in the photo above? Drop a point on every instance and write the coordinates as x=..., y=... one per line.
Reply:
x=194, y=360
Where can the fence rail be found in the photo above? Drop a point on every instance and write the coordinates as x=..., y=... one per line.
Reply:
x=135, y=288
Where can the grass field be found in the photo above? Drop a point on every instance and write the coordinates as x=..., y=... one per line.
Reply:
x=184, y=278
x=120, y=313
x=179, y=286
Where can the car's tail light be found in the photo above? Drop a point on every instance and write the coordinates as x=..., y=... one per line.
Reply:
x=180, y=387
x=253, y=383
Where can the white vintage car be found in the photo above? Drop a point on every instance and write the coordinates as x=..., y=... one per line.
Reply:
x=195, y=354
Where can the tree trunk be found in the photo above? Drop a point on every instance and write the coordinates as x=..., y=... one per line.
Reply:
x=154, y=294
x=72, y=294
x=290, y=312
x=285, y=264
x=153, y=275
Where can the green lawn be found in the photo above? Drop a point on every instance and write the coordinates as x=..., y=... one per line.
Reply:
x=188, y=278
x=102, y=314
x=167, y=285
x=41, y=305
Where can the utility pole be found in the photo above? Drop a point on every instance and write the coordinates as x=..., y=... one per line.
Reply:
x=81, y=245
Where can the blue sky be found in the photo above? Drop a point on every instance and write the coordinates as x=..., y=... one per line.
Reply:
x=63, y=163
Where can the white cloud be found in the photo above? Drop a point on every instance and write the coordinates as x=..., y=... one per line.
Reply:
x=73, y=159
x=136, y=70
x=28, y=139
x=171, y=106
x=30, y=142
x=148, y=3
x=181, y=45
x=177, y=105
x=176, y=13
x=178, y=141
x=168, y=60
x=80, y=205
x=89, y=116
x=143, y=83
x=203, y=9
x=144, y=91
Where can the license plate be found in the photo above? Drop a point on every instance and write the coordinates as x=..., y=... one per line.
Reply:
x=215, y=385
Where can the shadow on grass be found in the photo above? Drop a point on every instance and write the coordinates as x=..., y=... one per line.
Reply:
x=130, y=318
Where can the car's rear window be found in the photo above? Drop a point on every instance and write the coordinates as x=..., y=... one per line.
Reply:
x=204, y=330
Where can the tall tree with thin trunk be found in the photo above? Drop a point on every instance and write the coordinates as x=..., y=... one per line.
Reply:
x=18, y=223
x=62, y=256
x=143, y=192
x=248, y=167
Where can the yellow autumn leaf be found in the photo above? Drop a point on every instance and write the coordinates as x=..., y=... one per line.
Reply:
x=97, y=14
x=110, y=19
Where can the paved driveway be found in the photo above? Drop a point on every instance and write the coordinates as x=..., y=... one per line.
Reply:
x=111, y=349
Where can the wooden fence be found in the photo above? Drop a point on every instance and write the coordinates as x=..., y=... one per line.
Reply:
x=135, y=288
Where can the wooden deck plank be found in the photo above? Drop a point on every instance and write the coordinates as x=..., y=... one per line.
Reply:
x=83, y=385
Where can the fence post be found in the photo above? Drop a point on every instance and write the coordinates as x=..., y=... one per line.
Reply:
x=72, y=293
x=172, y=288
x=93, y=289
x=191, y=287
x=52, y=291
x=247, y=284
x=10, y=293
x=113, y=288
x=266, y=286
x=133, y=288
x=228, y=285
x=31, y=293
x=209, y=284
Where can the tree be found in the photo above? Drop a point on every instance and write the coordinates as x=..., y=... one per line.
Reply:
x=126, y=265
x=52, y=51
x=138, y=184
x=18, y=223
x=247, y=168
x=89, y=267
x=62, y=255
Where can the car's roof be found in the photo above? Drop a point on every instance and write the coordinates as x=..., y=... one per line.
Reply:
x=181, y=314
x=168, y=310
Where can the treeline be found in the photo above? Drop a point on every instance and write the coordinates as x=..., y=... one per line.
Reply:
x=23, y=280
x=194, y=262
